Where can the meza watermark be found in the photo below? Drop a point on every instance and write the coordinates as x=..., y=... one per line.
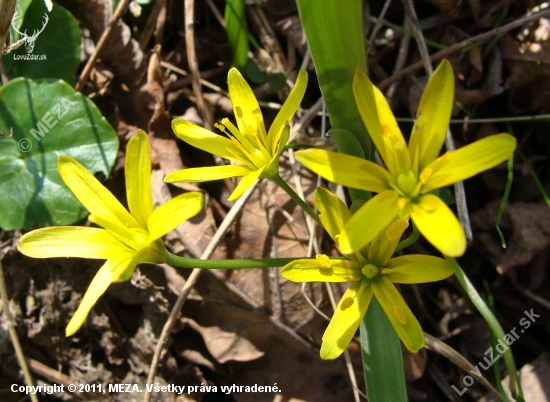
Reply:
x=46, y=123
x=501, y=347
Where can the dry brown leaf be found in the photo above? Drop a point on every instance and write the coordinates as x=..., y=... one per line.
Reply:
x=414, y=363
x=288, y=360
x=530, y=227
x=225, y=346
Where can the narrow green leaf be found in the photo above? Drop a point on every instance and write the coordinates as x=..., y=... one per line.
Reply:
x=534, y=176
x=381, y=348
x=336, y=39
x=489, y=317
x=237, y=31
x=505, y=199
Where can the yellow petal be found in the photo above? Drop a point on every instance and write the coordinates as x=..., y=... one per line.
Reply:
x=137, y=169
x=89, y=191
x=469, y=161
x=244, y=103
x=439, y=225
x=203, y=139
x=311, y=271
x=368, y=221
x=287, y=111
x=109, y=272
x=418, y=269
x=285, y=133
x=195, y=175
x=332, y=211
x=246, y=182
x=398, y=312
x=345, y=321
x=70, y=241
x=346, y=170
x=378, y=119
x=134, y=238
x=168, y=216
x=433, y=116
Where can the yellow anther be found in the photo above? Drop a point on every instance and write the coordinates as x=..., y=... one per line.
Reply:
x=337, y=239
x=425, y=175
x=323, y=261
x=386, y=130
x=219, y=127
x=239, y=112
x=346, y=303
x=256, y=113
x=396, y=229
x=386, y=271
x=400, y=315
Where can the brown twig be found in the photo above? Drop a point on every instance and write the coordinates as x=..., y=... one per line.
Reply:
x=216, y=13
x=153, y=22
x=461, y=46
x=460, y=193
x=437, y=346
x=52, y=375
x=193, y=64
x=401, y=60
x=13, y=334
x=93, y=58
x=191, y=281
x=7, y=7
x=309, y=115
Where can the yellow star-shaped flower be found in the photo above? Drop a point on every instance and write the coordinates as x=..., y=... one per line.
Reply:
x=256, y=151
x=128, y=238
x=413, y=171
x=372, y=271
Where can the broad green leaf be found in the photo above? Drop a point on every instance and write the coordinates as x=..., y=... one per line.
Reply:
x=277, y=81
x=335, y=35
x=21, y=7
x=253, y=72
x=48, y=119
x=381, y=349
x=237, y=31
x=55, y=51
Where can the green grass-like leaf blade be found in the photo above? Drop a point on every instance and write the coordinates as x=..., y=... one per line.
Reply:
x=335, y=35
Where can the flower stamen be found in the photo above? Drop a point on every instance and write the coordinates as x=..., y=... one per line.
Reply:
x=323, y=261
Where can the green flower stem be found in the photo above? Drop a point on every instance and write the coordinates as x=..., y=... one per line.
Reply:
x=409, y=240
x=184, y=262
x=283, y=184
x=488, y=315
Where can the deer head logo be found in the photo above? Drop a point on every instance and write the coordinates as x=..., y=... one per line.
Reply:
x=29, y=40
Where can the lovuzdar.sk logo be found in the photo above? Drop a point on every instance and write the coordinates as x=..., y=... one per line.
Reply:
x=29, y=40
